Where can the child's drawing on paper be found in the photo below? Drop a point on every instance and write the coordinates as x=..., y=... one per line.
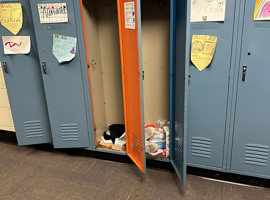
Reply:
x=262, y=10
x=207, y=10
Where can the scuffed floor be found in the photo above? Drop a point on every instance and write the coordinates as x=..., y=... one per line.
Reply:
x=28, y=173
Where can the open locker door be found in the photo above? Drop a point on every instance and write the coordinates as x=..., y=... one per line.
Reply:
x=129, y=16
x=65, y=81
x=180, y=49
x=23, y=78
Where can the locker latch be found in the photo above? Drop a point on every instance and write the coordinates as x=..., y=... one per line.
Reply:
x=44, y=68
x=189, y=79
x=5, y=67
x=244, y=73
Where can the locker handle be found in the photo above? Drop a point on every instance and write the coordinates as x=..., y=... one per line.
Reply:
x=5, y=67
x=44, y=68
x=244, y=73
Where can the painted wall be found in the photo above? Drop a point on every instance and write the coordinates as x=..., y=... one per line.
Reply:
x=6, y=121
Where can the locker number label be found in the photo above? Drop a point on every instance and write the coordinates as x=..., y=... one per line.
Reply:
x=130, y=20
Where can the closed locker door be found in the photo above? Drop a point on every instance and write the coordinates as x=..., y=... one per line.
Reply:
x=24, y=85
x=208, y=91
x=66, y=86
x=251, y=141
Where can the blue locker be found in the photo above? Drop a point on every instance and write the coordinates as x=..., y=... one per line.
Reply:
x=250, y=144
x=208, y=95
x=66, y=84
x=180, y=51
x=25, y=87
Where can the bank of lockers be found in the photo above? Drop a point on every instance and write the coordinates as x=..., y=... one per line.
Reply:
x=66, y=94
x=210, y=117
x=228, y=102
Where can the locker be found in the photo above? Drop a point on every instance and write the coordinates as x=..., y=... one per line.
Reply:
x=208, y=96
x=66, y=84
x=250, y=142
x=116, y=74
x=24, y=85
x=116, y=70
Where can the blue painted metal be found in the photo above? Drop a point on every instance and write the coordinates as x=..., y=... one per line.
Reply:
x=180, y=53
x=208, y=95
x=251, y=146
x=25, y=87
x=141, y=76
x=81, y=41
x=65, y=84
x=236, y=52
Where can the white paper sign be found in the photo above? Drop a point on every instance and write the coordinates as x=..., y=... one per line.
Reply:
x=53, y=13
x=207, y=10
x=16, y=44
x=129, y=8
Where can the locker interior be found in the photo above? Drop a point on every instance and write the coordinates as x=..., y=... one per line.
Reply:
x=102, y=35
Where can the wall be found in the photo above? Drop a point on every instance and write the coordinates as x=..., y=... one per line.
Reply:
x=6, y=121
x=156, y=59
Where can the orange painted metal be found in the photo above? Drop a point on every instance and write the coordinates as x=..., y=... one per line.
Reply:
x=88, y=66
x=130, y=59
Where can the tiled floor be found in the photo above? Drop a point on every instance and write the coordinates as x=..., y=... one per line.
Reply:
x=28, y=173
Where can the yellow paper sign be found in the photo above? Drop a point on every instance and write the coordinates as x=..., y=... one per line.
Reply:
x=202, y=50
x=11, y=17
x=262, y=10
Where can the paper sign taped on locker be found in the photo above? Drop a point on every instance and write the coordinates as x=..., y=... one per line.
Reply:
x=262, y=10
x=129, y=8
x=202, y=50
x=64, y=48
x=11, y=17
x=16, y=44
x=53, y=13
x=204, y=10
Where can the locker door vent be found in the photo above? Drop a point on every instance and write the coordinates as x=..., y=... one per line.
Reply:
x=70, y=132
x=33, y=129
x=201, y=147
x=178, y=152
x=136, y=146
x=256, y=154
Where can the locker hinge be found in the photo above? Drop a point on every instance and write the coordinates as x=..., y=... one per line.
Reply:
x=143, y=75
x=189, y=79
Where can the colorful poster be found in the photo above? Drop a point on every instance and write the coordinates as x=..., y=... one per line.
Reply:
x=202, y=50
x=64, y=48
x=129, y=8
x=16, y=44
x=11, y=17
x=53, y=13
x=207, y=10
x=262, y=10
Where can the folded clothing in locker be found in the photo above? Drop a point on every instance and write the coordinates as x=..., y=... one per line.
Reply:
x=114, y=138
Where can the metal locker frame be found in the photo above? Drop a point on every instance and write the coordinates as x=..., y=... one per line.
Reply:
x=25, y=88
